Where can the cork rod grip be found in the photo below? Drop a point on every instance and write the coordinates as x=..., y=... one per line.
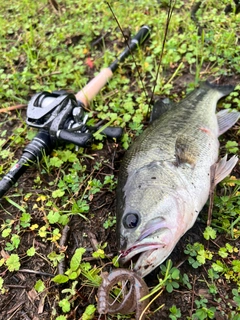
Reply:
x=94, y=86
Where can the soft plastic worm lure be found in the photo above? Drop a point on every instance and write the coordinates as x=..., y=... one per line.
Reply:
x=133, y=289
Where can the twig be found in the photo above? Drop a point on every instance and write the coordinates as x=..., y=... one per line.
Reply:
x=41, y=304
x=62, y=263
x=18, y=106
x=64, y=237
x=109, y=256
x=36, y=272
x=15, y=309
x=93, y=240
x=8, y=302
x=15, y=286
x=211, y=193
x=55, y=6
x=193, y=293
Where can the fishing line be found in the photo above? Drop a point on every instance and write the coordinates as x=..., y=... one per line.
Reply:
x=125, y=38
x=169, y=16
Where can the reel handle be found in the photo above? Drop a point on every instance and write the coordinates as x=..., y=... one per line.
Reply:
x=79, y=139
x=113, y=132
x=84, y=139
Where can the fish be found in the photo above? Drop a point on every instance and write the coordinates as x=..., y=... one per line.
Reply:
x=167, y=173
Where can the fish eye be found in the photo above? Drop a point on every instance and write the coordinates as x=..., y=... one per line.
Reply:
x=131, y=220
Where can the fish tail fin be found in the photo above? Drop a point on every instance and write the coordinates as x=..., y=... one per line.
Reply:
x=223, y=90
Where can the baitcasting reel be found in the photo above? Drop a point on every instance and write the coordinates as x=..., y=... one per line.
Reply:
x=64, y=118
x=60, y=117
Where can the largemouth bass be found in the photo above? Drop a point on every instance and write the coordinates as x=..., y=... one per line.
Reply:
x=166, y=176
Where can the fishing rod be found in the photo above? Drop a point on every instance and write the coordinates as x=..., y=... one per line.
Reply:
x=60, y=117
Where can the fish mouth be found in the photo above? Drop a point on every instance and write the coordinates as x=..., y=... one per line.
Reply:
x=150, y=249
x=146, y=256
x=138, y=248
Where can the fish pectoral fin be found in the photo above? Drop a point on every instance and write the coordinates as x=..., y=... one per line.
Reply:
x=222, y=169
x=218, y=172
x=185, y=151
x=226, y=120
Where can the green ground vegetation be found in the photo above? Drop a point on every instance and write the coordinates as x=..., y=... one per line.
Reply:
x=52, y=45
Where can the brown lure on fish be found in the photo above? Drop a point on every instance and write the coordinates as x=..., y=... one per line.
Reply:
x=167, y=174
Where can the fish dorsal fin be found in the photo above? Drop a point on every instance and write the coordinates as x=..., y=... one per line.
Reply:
x=226, y=119
x=160, y=107
x=222, y=169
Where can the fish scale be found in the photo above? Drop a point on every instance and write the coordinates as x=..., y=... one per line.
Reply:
x=167, y=130
x=166, y=176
